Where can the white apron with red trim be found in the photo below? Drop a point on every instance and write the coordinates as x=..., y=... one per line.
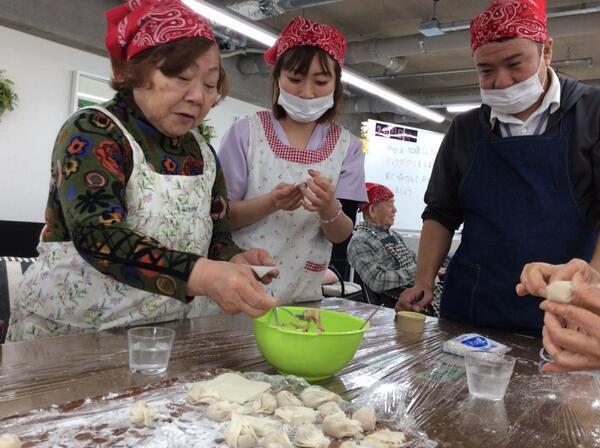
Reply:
x=61, y=293
x=295, y=238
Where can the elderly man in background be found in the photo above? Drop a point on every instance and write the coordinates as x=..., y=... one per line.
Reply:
x=379, y=255
x=521, y=172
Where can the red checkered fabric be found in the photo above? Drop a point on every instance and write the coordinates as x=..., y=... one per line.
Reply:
x=314, y=267
x=301, y=31
x=296, y=155
x=510, y=18
x=137, y=25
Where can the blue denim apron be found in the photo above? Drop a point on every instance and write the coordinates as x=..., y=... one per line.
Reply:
x=518, y=208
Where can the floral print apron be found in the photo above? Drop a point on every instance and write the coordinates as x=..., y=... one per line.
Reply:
x=62, y=294
x=294, y=239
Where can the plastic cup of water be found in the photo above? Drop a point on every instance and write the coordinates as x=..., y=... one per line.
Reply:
x=150, y=349
x=488, y=374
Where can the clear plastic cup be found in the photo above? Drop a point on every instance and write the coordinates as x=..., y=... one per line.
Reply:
x=150, y=349
x=488, y=374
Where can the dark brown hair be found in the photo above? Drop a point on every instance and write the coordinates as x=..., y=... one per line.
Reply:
x=298, y=60
x=171, y=59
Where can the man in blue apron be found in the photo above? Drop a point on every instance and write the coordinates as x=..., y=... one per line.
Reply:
x=521, y=172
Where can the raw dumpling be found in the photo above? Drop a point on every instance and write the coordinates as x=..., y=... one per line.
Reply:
x=221, y=410
x=339, y=426
x=329, y=408
x=202, y=393
x=313, y=396
x=141, y=414
x=366, y=417
x=275, y=439
x=9, y=441
x=240, y=434
x=296, y=415
x=559, y=291
x=349, y=444
x=234, y=387
x=265, y=403
x=285, y=398
x=386, y=438
x=261, y=425
x=309, y=436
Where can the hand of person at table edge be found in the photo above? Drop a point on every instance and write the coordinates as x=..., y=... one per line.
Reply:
x=415, y=298
x=231, y=286
x=319, y=195
x=535, y=277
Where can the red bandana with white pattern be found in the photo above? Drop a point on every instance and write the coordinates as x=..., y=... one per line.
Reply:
x=510, y=18
x=137, y=25
x=376, y=193
x=301, y=31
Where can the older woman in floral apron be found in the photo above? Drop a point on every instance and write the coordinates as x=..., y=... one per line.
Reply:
x=136, y=222
x=286, y=169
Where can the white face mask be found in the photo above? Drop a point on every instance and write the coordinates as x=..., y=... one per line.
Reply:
x=303, y=110
x=516, y=98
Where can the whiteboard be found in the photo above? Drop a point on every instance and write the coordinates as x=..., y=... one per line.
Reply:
x=401, y=158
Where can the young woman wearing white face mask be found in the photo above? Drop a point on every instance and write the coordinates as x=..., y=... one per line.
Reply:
x=286, y=169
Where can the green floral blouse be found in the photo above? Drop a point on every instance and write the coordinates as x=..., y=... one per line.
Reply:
x=91, y=164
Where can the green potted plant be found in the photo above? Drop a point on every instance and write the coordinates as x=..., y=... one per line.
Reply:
x=206, y=131
x=8, y=98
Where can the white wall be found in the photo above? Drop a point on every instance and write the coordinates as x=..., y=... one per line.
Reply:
x=42, y=72
x=222, y=116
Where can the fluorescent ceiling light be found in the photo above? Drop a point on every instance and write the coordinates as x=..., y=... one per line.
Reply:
x=96, y=98
x=457, y=108
x=267, y=38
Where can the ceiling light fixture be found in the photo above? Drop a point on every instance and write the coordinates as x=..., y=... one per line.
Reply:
x=267, y=38
x=457, y=108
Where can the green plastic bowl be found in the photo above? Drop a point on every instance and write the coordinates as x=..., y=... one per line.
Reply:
x=310, y=355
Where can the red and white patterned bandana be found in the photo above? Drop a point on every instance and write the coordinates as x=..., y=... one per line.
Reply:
x=376, y=193
x=301, y=31
x=137, y=25
x=510, y=18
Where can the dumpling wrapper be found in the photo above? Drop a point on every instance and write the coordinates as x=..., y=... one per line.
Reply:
x=8, y=440
x=559, y=291
x=263, y=271
x=235, y=388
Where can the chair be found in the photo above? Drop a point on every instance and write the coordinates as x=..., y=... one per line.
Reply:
x=344, y=289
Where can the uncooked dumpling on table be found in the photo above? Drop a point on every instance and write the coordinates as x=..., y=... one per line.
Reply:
x=261, y=425
x=313, y=396
x=202, y=393
x=386, y=438
x=296, y=415
x=366, y=417
x=141, y=414
x=340, y=426
x=275, y=439
x=240, y=434
x=265, y=403
x=9, y=441
x=221, y=410
x=329, y=408
x=349, y=444
x=285, y=398
x=309, y=436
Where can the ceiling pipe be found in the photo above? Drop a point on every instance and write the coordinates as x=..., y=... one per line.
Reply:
x=262, y=9
x=382, y=49
x=460, y=71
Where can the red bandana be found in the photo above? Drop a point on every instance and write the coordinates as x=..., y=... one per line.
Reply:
x=510, y=18
x=301, y=31
x=137, y=25
x=376, y=193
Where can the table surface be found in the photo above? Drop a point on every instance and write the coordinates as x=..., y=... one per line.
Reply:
x=407, y=376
